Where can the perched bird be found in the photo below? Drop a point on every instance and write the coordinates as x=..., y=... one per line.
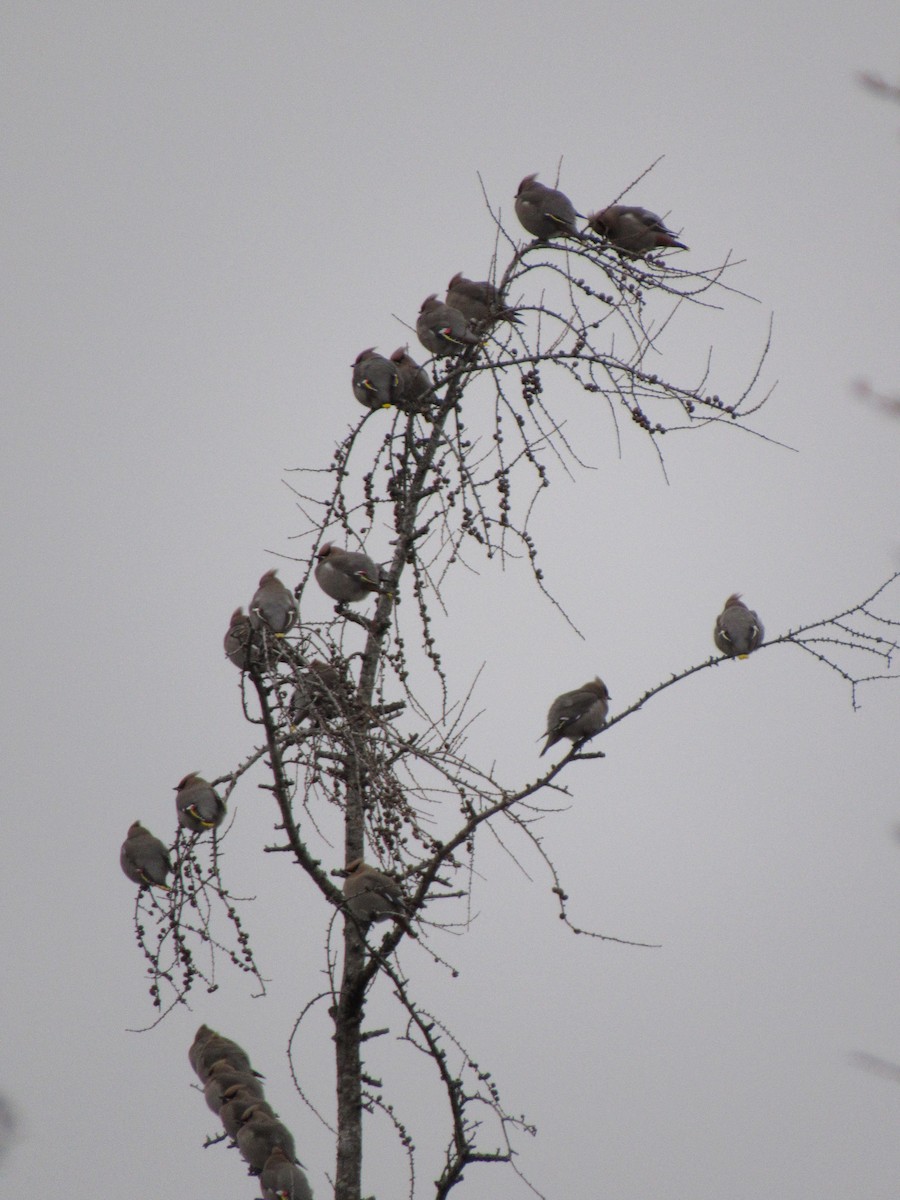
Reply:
x=209, y=1048
x=372, y=896
x=738, y=629
x=144, y=858
x=545, y=212
x=223, y=1077
x=416, y=388
x=200, y=807
x=443, y=330
x=375, y=379
x=478, y=301
x=317, y=693
x=577, y=715
x=236, y=1099
x=346, y=575
x=273, y=607
x=634, y=232
x=242, y=642
x=283, y=1180
x=259, y=1134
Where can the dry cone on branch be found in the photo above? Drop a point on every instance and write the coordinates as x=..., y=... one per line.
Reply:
x=738, y=629
x=577, y=715
x=144, y=858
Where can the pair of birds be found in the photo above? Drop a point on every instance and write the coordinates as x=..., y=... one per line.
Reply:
x=633, y=232
x=144, y=858
x=232, y=1089
x=398, y=381
x=581, y=714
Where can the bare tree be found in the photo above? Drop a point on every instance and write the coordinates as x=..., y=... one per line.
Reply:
x=344, y=733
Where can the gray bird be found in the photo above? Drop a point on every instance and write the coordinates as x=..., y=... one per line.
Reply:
x=375, y=379
x=577, y=715
x=200, y=807
x=478, y=301
x=258, y=1135
x=738, y=629
x=416, y=389
x=273, y=606
x=317, y=693
x=144, y=858
x=545, y=212
x=633, y=232
x=223, y=1077
x=242, y=642
x=283, y=1180
x=346, y=575
x=236, y=1099
x=209, y=1048
x=443, y=330
x=372, y=896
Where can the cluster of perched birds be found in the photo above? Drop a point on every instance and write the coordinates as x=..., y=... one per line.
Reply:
x=447, y=327
x=233, y=1091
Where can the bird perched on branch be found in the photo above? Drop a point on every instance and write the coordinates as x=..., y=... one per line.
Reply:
x=371, y=895
x=738, y=629
x=223, y=1078
x=416, y=389
x=376, y=382
x=235, y=1100
x=259, y=1134
x=242, y=642
x=633, y=232
x=577, y=715
x=209, y=1048
x=317, y=693
x=478, y=301
x=144, y=858
x=283, y=1180
x=545, y=212
x=200, y=807
x=273, y=606
x=443, y=330
x=346, y=575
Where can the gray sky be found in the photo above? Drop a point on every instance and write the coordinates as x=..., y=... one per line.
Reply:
x=210, y=208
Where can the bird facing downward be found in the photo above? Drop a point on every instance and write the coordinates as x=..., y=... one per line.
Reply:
x=577, y=715
x=632, y=231
x=738, y=629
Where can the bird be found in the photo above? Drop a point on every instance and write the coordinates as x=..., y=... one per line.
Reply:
x=242, y=644
x=346, y=575
x=633, y=231
x=144, y=858
x=235, y=1100
x=577, y=715
x=210, y=1048
x=273, y=606
x=479, y=301
x=371, y=895
x=199, y=805
x=259, y=1134
x=223, y=1077
x=283, y=1180
x=375, y=379
x=738, y=629
x=316, y=693
x=545, y=212
x=441, y=329
x=416, y=388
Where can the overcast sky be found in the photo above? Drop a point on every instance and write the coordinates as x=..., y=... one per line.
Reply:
x=210, y=208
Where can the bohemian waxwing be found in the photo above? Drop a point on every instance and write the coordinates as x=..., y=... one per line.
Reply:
x=317, y=693
x=416, y=388
x=242, y=643
x=738, y=629
x=545, y=212
x=283, y=1180
x=577, y=715
x=209, y=1048
x=372, y=896
x=236, y=1099
x=443, y=330
x=375, y=379
x=144, y=858
x=258, y=1135
x=634, y=232
x=273, y=607
x=200, y=807
x=346, y=575
x=478, y=301
x=223, y=1077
